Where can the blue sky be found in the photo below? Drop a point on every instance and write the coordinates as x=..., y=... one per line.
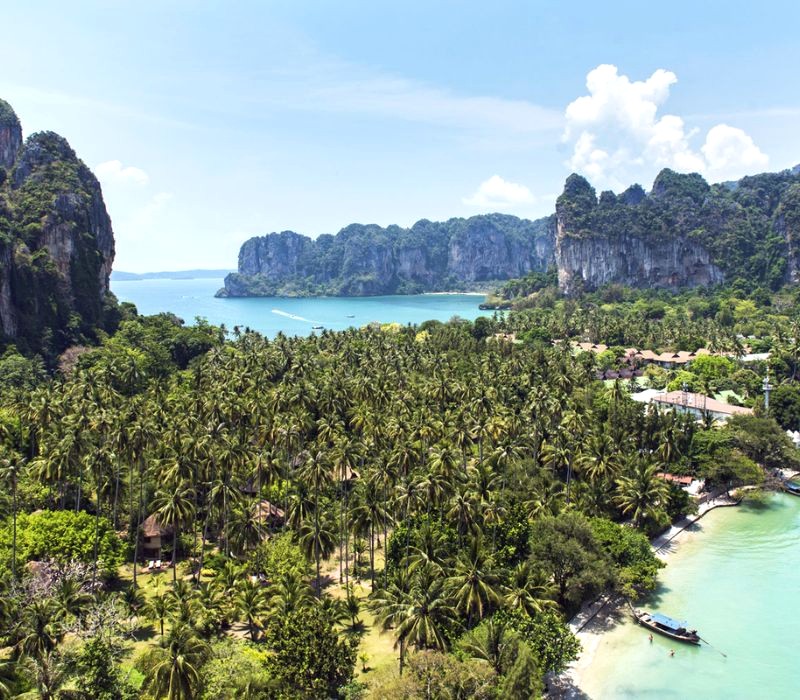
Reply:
x=210, y=122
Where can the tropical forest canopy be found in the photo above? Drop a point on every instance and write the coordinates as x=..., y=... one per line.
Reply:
x=462, y=487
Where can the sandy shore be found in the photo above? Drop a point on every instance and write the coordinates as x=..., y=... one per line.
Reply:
x=605, y=613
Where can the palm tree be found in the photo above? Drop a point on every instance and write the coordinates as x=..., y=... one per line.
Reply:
x=426, y=613
x=492, y=642
x=640, y=490
x=11, y=465
x=175, y=675
x=174, y=505
x=252, y=605
x=289, y=593
x=529, y=591
x=474, y=583
x=158, y=608
x=39, y=628
x=317, y=539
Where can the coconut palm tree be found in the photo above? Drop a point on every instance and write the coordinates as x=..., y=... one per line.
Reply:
x=251, y=602
x=11, y=466
x=175, y=674
x=640, y=490
x=174, y=506
x=474, y=582
x=529, y=590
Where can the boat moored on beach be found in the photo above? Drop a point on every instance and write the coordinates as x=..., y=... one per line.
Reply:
x=791, y=487
x=666, y=626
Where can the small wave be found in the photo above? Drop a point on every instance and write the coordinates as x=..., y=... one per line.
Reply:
x=292, y=316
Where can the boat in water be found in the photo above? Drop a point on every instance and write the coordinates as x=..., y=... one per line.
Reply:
x=666, y=626
x=791, y=487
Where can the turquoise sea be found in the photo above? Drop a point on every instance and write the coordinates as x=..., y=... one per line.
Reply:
x=736, y=579
x=269, y=315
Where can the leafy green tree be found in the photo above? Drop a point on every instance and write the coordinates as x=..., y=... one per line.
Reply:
x=636, y=567
x=63, y=536
x=308, y=659
x=566, y=548
x=551, y=642
x=97, y=674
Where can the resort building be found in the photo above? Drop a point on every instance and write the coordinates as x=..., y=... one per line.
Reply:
x=698, y=405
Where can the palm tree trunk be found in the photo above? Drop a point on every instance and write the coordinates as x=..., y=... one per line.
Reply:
x=14, y=537
x=174, y=554
x=96, y=539
x=116, y=495
x=138, y=522
x=372, y=554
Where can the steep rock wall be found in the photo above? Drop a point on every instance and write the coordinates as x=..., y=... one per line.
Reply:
x=56, y=244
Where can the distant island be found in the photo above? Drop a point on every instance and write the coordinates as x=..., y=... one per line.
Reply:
x=684, y=233
x=120, y=276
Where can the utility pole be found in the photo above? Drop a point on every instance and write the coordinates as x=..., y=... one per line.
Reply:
x=767, y=387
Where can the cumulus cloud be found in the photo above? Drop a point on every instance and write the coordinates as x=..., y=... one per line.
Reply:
x=112, y=171
x=497, y=193
x=728, y=147
x=617, y=134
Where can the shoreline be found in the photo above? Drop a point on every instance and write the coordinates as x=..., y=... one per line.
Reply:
x=605, y=613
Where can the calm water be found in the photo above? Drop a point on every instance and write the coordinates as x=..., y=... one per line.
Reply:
x=737, y=581
x=269, y=315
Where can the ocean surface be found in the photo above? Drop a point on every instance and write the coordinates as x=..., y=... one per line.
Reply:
x=189, y=299
x=735, y=579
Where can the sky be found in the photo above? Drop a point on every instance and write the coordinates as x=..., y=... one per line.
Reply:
x=211, y=122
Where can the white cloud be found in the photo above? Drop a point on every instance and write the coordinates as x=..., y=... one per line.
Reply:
x=497, y=193
x=617, y=135
x=727, y=147
x=112, y=171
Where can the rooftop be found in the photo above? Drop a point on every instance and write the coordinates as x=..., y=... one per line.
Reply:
x=700, y=402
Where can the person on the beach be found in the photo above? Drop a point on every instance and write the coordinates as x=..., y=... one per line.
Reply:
x=650, y=637
x=672, y=652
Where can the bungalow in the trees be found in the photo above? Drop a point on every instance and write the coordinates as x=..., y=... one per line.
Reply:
x=153, y=534
x=269, y=514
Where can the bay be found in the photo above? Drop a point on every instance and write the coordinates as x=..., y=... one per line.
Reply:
x=735, y=579
x=189, y=299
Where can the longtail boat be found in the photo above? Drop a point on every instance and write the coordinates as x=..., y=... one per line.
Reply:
x=666, y=626
x=791, y=487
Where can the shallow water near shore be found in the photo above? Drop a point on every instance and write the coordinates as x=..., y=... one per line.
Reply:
x=271, y=315
x=735, y=577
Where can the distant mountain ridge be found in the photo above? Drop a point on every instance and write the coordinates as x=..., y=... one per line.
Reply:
x=683, y=233
x=370, y=260
x=120, y=276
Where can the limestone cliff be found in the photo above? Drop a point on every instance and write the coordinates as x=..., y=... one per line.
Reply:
x=56, y=243
x=684, y=233
x=368, y=260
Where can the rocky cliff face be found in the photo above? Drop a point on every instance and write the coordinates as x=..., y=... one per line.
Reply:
x=367, y=260
x=684, y=233
x=10, y=135
x=56, y=243
x=590, y=263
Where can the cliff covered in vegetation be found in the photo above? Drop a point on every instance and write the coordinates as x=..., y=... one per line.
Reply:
x=684, y=233
x=56, y=243
x=367, y=260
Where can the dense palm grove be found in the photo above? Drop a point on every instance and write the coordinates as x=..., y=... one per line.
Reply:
x=463, y=493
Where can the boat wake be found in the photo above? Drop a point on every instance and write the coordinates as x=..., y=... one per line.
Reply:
x=294, y=317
